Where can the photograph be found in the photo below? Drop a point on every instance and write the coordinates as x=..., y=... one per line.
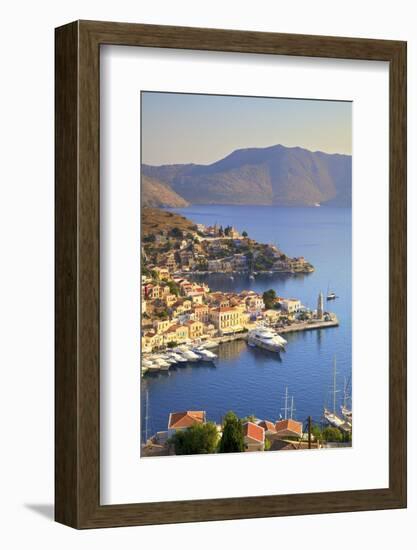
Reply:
x=246, y=274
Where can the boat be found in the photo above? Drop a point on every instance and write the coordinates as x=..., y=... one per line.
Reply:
x=330, y=416
x=169, y=358
x=205, y=354
x=251, y=277
x=179, y=358
x=263, y=337
x=210, y=344
x=154, y=367
x=330, y=294
x=161, y=363
x=187, y=353
x=344, y=409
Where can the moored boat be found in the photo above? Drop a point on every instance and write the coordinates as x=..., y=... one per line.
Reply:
x=266, y=338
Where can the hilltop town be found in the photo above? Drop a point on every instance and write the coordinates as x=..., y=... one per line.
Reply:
x=171, y=241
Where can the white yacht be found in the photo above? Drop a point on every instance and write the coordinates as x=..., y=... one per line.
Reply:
x=205, y=354
x=153, y=367
x=169, y=359
x=187, y=353
x=178, y=358
x=210, y=344
x=163, y=365
x=263, y=337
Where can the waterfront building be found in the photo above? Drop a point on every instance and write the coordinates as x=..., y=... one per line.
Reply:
x=161, y=325
x=253, y=437
x=271, y=315
x=184, y=419
x=151, y=340
x=226, y=319
x=195, y=329
x=201, y=313
x=176, y=333
x=290, y=305
x=320, y=306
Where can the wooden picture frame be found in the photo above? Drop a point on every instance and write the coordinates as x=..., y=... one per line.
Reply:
x=77, y=360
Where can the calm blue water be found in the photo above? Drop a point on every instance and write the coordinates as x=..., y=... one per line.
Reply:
x=253, y=381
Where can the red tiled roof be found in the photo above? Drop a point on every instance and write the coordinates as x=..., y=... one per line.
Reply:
x=289, y=424
x=267, y=425
x=186, y=419
x=252, y=430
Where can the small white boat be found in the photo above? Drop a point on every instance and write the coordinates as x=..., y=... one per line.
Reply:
x=205, y=354
x=210, y=344
x=154, y=367
x=188, y=354
x=169, y=359
x=178, y=358
x=163, y=365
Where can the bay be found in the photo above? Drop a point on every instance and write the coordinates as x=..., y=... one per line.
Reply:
x=253, y=381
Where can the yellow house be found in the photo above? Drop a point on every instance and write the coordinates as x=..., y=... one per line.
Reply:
x=151, y=341
x=161, y=325
x=227, y=319
x=170, y=300
x=201, y=313
x=176, y=333
x=195, y=329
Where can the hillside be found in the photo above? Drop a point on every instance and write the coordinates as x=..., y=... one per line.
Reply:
x=155, y=220
x=155, y=193
x=273, y=175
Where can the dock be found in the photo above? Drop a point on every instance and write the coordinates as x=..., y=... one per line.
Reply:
x=305, y=325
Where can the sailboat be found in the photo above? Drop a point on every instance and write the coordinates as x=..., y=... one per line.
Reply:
x=330, y=294
x=331, y=416
x=346, y=411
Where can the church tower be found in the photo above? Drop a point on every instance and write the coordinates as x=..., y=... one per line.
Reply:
x=320, y=306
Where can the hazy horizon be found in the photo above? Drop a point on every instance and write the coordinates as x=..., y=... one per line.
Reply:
x=202, y=129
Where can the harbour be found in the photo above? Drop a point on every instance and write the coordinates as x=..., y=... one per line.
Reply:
x=251, y=380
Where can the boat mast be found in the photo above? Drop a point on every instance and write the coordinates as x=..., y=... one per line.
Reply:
x=345, y=394
x=285, y=409
x=292, y=409
x=334, y=385
x=146, y=415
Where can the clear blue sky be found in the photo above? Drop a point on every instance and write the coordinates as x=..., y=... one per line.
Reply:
x=182, y=128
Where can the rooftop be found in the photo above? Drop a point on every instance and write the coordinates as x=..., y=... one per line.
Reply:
x=289, y=425
x=252, y=430
x=185, y=419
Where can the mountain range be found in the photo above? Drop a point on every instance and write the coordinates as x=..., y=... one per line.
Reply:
x=277, y=175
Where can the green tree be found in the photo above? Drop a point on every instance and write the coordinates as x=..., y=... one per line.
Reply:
x=176, y=233
x=232, y=437
x=173, y=288
x=332, y=434
x=316, y=432
x=269, y=297
x=244, y=234
x=196, y=440
x=172, y=345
